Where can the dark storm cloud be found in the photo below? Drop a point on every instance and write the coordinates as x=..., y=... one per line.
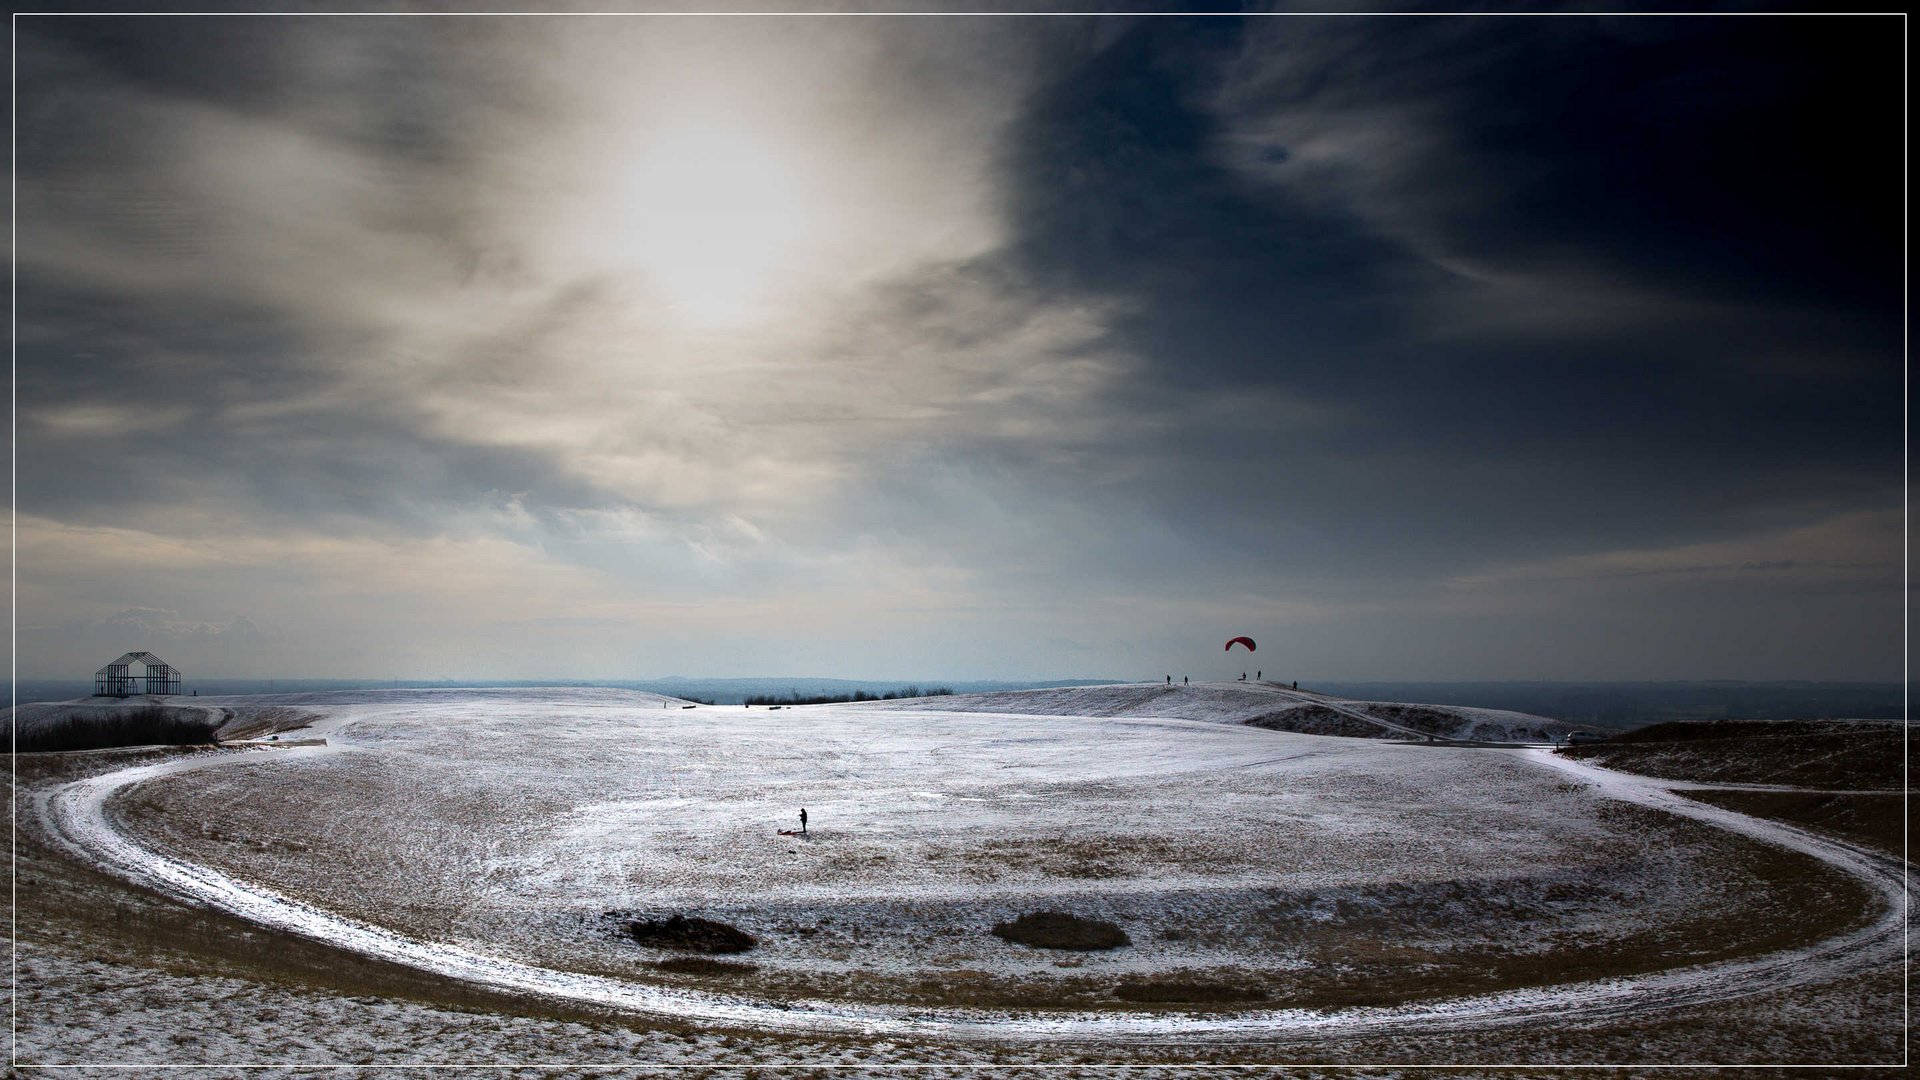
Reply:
x=1709, y=324
x=1750, y=159
x=1116, y=187
x=1368, y=328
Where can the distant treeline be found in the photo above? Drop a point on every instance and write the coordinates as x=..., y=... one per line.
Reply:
x=857, y=695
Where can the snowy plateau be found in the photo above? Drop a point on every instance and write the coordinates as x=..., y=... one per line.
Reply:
x=405, y=880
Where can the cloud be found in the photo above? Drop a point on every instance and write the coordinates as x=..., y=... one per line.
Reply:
x=1513, y=257
x=155, y=623
x=479, y=308
x=1855, y=549
x=515, y=333
x=234, y=644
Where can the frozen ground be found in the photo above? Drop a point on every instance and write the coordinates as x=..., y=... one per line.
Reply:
x=1347, y=885
x=118, y=1019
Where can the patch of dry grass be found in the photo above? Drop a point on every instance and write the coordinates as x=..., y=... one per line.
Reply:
x=702, y=965
x=1086, y=858
x=1871, y=820
x=47, y=727
x=1387, y=952
x=1846, y=755
x=1183, y=988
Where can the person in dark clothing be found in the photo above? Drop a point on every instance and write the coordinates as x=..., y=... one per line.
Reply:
x=803, y=821
x=1183, y=680
x=1169, y=680
x=1296, y=684
x=1257, y=675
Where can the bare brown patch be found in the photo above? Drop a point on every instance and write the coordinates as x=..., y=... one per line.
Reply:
x=1062, y=930
x=1182, y=988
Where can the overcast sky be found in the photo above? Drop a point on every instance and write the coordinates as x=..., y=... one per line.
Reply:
x=873, y=347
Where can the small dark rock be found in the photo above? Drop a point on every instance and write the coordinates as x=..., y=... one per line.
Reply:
x=1059, y=930
x=690, y=935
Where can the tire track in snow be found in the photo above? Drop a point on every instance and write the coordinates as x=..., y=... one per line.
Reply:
x=77, y=816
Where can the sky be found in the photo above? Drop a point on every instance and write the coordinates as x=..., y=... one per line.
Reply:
x=968, y=347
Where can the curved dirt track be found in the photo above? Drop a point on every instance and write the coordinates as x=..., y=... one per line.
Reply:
x=77, y=815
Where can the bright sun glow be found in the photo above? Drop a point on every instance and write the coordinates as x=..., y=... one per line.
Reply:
x=712, y=217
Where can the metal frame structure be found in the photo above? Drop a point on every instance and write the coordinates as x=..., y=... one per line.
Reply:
x=115, y=680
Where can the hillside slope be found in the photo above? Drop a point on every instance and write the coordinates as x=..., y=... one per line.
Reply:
x=1266, y=705
x=1858, y=755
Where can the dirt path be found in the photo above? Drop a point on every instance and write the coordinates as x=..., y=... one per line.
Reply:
x=77, y=814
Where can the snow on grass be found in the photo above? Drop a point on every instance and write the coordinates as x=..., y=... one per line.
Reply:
x=513, y=823
x=98, y=1018
x=1287, y=881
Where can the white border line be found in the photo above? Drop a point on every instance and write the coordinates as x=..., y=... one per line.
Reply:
x=1906, y=547
x=13, y=528
x=14, y=488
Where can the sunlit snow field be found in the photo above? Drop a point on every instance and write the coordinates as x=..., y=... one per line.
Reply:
x=514, y=821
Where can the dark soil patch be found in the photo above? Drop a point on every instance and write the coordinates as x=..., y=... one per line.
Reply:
x=1172, y=989
x=1059, y=930
x=1873, y=820
x=1851, y=755
x=704, y=965
x=690, y=935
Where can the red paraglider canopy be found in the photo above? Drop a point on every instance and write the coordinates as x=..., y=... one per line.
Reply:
x=1231, y=642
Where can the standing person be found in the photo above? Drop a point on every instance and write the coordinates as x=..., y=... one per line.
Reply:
x=1183, y=680
x=803, y=821
x=1169, y=680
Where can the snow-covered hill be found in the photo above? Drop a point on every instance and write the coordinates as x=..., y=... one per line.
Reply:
x=1267, y=705
x=506, y=838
